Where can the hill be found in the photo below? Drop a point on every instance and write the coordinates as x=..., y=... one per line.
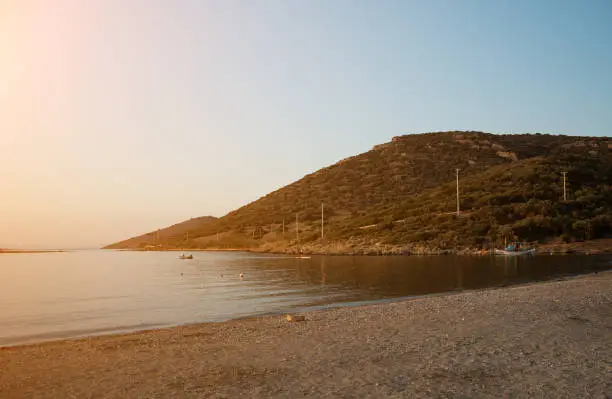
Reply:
x=177, y=233
x=401, y=196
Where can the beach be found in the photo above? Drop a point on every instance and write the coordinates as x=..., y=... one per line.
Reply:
x=551, y=339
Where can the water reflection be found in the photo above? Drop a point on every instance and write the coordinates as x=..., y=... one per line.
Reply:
x=408, y=276
x=66, y=294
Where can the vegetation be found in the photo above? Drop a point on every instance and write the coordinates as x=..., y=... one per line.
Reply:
x=402, y=194
x=174, y=235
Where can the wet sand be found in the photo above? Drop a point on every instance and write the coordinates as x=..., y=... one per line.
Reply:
x=550, y=340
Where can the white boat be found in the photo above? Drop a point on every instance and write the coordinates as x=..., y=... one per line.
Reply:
x=186, y=256
x=530, y=251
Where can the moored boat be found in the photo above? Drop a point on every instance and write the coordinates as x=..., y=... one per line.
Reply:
x=515, y=249
x=515, y=252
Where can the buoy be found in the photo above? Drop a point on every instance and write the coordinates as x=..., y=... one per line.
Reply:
x=241, y=275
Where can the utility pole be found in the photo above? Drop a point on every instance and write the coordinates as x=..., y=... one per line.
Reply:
x=297, y=229
x=564, y=190
x=457, y=170
x=321, y=220
x=283, y=227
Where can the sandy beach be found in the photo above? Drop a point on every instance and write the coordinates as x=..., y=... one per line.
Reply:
x=550, y=339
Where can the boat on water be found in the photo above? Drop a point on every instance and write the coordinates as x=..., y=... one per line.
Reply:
x=183, y=256
x=515, y=250
x=519, y=252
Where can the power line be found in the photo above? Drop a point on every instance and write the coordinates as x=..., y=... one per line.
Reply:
x=564, y=186
x=297, y=229
x=457, y=170
x=322, y=220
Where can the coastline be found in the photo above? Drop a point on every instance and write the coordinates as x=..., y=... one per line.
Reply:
x=545, y=339
x=590, y=247
x=30, y=251
x=183, y=249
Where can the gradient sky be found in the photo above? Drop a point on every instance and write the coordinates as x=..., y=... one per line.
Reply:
x=121, y=116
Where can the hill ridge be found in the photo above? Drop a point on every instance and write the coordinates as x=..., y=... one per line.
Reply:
x=393, y=179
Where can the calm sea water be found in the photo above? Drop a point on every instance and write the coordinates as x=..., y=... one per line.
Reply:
x=56, y=295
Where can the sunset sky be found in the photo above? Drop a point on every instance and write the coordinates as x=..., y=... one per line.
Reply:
x=121, y=116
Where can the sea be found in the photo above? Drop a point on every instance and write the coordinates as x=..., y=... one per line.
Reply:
x=49, y=296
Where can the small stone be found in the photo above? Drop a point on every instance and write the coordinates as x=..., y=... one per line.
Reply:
x=293, y=318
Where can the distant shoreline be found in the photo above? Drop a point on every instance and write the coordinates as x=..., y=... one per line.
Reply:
x=182, y=249
x=591, y=247
x=30, y=251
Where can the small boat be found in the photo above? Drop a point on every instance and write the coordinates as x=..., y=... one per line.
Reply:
x=515, y=250
x=183, y=256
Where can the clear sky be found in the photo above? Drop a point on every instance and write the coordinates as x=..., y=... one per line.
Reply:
x=121, y=116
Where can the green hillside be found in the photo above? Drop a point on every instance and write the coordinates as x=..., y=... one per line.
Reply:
x=401, y=196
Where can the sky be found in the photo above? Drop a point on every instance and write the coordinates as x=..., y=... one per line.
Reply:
x=118, y=117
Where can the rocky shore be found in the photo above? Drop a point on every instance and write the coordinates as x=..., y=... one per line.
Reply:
x=360, y=247
x=600, y=246
x=549, y=340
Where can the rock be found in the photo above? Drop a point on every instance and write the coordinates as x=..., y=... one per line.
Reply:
x=292, y=318
x=508, y=155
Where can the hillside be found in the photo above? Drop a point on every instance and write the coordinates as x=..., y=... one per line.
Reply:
x=401, y=196
x=177, y=233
